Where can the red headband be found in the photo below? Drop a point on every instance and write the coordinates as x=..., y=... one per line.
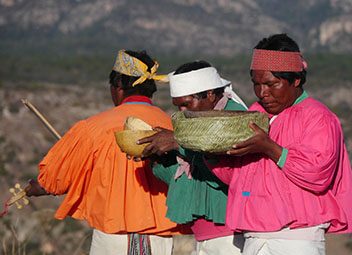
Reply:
x=278, y=61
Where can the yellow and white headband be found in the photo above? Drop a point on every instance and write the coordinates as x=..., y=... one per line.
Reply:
x=132, y=66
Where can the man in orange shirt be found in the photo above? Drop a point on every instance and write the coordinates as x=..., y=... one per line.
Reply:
x=119, y=198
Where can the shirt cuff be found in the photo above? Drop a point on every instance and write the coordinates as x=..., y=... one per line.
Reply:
x=282, y=160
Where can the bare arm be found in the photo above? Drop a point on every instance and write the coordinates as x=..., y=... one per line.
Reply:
x=160, y=143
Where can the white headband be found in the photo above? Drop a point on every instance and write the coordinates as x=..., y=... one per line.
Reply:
x=193, y=82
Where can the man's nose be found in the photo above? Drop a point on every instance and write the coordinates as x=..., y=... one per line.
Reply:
x=264, y=91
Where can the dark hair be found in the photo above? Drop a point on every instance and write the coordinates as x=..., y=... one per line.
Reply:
x=196, y=65
x=147, y=88
x=282, y=42
x=192, y=66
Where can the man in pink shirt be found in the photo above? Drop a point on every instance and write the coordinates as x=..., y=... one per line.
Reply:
x=291, y=185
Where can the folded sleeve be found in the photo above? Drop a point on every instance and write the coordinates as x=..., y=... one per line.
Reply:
x=166, y=168
x=164, y=173
x=311, y=163
x=68, y=162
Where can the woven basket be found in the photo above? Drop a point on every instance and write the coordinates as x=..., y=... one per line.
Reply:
x=215, y=131
x=127, y=139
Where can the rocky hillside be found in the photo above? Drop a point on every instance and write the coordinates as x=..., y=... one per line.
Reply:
x=212, y=27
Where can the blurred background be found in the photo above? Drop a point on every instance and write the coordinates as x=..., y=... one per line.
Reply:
x=59, y=53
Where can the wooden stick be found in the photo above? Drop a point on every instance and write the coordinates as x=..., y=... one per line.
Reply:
x=22, y=192
x=41, y=118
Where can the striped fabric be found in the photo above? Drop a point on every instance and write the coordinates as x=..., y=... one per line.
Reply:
x=139, y=244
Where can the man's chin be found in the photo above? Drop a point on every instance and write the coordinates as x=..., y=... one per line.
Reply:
x=271, y=110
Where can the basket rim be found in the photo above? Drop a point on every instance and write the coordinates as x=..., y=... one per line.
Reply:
x=214, y=114
x=134, y=131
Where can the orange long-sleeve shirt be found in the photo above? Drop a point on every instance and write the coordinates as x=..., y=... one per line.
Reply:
x=111, y=193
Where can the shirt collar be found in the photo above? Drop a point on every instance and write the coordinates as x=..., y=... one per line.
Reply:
x=137, y=99
x=301, y=97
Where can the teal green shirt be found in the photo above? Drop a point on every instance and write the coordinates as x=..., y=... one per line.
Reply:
x=203, y=196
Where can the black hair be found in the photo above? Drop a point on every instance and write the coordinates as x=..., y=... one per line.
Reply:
x=146, y=88
x=196, y=65
x=192, y=66
x=282, y=42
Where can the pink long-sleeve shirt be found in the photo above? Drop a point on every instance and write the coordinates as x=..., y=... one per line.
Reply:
x=314, y=186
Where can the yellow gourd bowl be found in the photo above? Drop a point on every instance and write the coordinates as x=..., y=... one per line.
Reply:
x=127, y=139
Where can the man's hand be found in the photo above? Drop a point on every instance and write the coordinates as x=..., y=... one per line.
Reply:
x=160, y=143
x=34, y=189
x=259, y=143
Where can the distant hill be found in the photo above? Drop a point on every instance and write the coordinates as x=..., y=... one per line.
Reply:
x=209, y=27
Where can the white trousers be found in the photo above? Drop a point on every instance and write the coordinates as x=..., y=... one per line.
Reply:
x=221, y=246
x=260, y=246
x=113, y=244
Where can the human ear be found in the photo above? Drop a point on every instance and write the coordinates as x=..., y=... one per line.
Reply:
x=297, y=82
x=117, y=94
x=211, y=95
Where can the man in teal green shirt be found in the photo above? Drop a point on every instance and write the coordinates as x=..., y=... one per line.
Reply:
x=195, y=195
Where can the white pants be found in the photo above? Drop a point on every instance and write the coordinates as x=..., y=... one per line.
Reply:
x=260, y=246
x=227, y=245
x=112, y=244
